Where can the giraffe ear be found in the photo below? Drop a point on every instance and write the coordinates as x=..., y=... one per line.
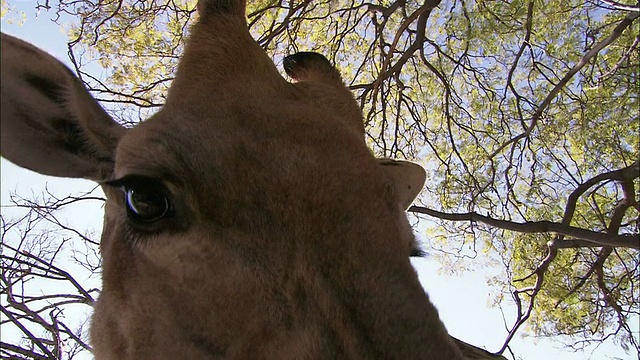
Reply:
x=408, y=178
x=50, y=122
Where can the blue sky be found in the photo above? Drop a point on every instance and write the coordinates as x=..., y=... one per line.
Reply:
x=462, y=301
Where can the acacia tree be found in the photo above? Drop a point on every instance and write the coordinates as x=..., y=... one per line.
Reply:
x=524, y=113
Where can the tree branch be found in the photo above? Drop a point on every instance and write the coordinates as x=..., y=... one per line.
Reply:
x=596, y=238
x=624, y=24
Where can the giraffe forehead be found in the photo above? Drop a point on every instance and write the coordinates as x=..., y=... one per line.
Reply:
x=286, y=130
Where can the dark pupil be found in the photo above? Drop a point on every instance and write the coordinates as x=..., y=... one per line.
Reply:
x=146, y=205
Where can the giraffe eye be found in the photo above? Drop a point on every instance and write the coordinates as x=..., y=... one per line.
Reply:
x=146, y=205
x=146, y=199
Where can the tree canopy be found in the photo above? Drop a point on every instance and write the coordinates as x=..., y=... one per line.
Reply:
x=524, y=113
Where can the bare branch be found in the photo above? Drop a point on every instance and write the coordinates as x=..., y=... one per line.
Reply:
x=593, y=237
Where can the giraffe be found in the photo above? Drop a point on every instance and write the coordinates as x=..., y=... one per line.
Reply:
x=246, y=219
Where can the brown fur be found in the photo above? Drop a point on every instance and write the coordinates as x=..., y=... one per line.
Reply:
x=286, y=238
